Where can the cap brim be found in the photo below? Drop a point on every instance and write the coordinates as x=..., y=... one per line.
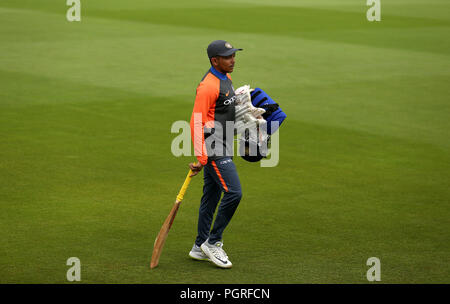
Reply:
x=229, y=52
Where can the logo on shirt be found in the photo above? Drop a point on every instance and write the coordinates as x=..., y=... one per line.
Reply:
x=227, y=93
x=229, y=101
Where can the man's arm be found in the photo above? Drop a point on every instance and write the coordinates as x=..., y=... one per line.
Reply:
x=206, y=97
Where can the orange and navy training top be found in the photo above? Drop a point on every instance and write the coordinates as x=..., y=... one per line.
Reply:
x=214, y=102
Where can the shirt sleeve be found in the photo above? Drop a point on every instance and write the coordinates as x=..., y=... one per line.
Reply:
x=205, y=100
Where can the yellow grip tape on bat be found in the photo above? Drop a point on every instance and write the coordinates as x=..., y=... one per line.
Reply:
x=184, y=187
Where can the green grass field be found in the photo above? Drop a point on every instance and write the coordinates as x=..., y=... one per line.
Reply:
x=86, y=168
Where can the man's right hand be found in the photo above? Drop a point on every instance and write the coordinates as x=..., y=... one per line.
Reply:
x=196, y=168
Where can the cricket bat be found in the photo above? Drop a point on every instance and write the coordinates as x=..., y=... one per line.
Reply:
x=162, y=235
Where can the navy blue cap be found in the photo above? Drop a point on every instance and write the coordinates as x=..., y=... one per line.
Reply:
x=220, y=48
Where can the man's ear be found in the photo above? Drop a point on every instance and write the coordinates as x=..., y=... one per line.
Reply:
x=214, y=61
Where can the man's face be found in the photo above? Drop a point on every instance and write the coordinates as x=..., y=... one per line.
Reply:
x=224, y=64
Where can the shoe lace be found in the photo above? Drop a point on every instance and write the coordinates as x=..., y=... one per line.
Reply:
x=218, y=252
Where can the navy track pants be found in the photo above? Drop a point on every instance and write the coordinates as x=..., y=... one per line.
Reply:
x=220, y=176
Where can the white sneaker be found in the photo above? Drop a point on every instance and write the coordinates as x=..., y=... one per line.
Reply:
x=197, y=254
x=216, y=254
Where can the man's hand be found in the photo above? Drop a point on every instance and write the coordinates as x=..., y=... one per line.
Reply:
x=196, y=168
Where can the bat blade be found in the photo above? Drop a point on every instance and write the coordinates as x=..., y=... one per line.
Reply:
x=162, y=235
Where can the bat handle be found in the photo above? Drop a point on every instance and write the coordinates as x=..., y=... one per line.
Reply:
x=184, y=187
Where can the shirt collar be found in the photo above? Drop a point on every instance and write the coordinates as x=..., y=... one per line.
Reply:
x=218, y=74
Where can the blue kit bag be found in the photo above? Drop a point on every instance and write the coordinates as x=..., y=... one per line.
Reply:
x=260, y=99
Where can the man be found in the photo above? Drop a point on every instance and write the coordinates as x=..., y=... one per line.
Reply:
x=213, y=108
